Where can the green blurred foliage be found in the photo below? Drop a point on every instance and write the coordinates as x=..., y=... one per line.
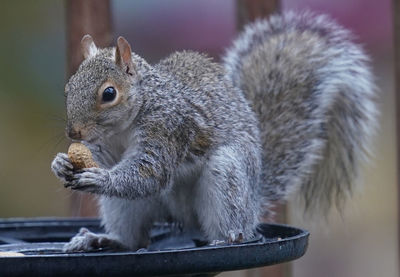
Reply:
x=32, y=76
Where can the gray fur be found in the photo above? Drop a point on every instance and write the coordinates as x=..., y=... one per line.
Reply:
x=184, y=143
x=314, y=95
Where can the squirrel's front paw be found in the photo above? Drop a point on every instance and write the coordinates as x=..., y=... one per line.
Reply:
x=90, y=180
x=62, y=167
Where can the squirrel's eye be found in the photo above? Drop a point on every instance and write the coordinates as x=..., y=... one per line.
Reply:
x=109, y=94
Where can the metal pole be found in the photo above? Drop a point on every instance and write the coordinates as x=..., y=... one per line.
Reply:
x=85, y=17
x=248, y=11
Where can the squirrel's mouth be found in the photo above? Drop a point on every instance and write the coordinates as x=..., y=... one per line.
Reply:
x=78, y=132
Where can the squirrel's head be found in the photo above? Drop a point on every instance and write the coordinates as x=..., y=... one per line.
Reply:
x=102, y=97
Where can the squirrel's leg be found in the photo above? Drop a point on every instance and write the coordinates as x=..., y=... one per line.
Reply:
x=225, y=200
x=129, y=220
x=127, y=223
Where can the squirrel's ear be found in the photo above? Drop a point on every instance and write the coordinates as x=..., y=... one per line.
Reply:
x=89, y=49
x=123, y=56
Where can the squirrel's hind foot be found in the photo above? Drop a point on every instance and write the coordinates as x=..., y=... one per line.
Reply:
x=86, y=241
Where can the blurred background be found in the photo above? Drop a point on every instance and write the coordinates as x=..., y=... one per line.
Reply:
x=361, y=242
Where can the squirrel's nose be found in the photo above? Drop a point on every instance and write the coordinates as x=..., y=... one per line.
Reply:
x=74, y=133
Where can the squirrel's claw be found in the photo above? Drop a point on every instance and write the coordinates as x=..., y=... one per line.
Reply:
x=235, y=236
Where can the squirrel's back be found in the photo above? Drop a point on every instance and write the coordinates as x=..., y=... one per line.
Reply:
x=207, y=93
x=313, y=92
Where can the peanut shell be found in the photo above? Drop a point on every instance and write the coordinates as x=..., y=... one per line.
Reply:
x=80, y=156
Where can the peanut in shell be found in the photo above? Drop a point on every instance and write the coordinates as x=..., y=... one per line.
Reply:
x=80, y=156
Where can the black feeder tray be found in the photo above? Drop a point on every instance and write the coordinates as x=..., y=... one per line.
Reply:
x=171, y=252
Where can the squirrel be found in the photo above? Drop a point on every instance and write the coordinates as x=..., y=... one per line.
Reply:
x=290, y=109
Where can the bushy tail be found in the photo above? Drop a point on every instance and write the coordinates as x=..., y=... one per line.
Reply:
x=314, y=94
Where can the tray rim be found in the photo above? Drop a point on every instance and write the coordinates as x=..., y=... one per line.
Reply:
x=130, y=258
